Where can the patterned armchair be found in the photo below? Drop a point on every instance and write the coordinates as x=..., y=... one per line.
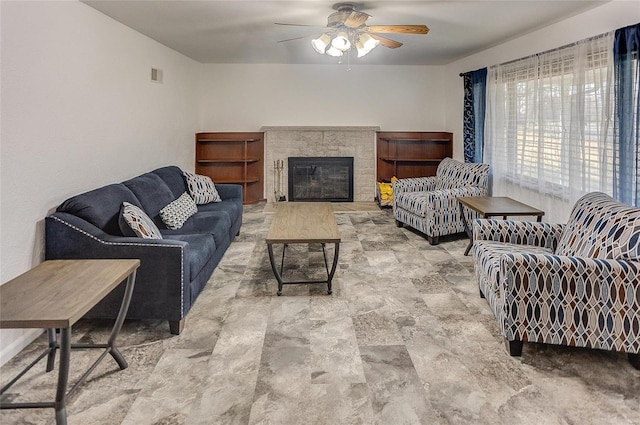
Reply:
x=430, y=204
x=576, y=284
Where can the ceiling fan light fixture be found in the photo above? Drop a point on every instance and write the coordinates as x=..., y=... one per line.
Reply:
x=347, y=29
x=332, y=51
x=341, y=42
x=361, y=49
x=320, y=44
x=368, y=42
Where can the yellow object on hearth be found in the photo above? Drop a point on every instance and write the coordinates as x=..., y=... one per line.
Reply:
x=386, y=189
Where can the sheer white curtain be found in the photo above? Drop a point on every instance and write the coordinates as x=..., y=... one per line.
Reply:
x=549, y=126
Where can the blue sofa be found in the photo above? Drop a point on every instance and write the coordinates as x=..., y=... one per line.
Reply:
x=174, y=269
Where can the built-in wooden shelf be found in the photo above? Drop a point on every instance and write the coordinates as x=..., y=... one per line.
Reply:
x=233, y=157
x=223, y=161
x=405, y=154
x=392, y=159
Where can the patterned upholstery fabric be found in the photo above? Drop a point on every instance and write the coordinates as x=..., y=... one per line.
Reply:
x=430, y=205
x=177, y=212
x=600, y=229
x=135, y=222
x=539, y=293
x=201, y=188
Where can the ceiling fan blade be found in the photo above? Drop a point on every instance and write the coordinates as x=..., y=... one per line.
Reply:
x=299, y=25
x=398, y=29
x=296, y=38
x=387, y=42
x=356, y=19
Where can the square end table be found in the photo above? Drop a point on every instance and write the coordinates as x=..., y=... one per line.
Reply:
x=494, y=206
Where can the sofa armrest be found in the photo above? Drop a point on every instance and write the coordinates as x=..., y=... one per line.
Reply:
x=162, y=279
x=418, y=184
x=229, y=191
x=545, y=235
x=572, y=300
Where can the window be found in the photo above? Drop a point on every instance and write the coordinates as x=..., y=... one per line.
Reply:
x=550, y=126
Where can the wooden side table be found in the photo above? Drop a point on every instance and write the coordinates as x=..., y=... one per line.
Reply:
x=55, y=295
x=493, y=206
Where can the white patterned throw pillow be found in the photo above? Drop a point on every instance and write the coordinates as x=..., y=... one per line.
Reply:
x=177, y=212
x=139, y=222
x=201, y=188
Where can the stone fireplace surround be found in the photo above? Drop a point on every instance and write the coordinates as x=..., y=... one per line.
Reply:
x=359, y=142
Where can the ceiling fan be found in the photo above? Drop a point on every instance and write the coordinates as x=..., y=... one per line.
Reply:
x=346, y=28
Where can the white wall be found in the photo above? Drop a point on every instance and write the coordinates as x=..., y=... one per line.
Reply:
x=610, y=16
x=247, y=97
x=79, y=111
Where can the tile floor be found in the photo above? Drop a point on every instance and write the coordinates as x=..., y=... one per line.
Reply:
x=404, y=339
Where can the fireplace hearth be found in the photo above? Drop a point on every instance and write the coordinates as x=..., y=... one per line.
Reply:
x=320, y=179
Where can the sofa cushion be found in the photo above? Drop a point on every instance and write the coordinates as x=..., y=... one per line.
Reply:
x=216, y=223
x=177, y=212
x=135, y=222
x=173, y=177
x=601, y=227
x=100, y=207
x=200, y=250
x=152, y=192
x=201, y=188
x=231, y=207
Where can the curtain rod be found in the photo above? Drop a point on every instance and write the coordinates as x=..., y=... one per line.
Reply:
x=547, y=51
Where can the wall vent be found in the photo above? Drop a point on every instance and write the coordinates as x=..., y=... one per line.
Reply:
x=156, y=75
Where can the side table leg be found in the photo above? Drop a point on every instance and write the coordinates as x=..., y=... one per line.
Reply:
x=51, y=357
x=113, y=350
x=467, y=228
x=63, y=376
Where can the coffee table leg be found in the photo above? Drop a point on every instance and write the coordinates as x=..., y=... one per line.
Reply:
x=274, y=268
x=113, y=350
x=63, y=376
x=333, y=267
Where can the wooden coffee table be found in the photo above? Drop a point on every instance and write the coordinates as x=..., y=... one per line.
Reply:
x=303, y=222
x=494, y=206
x=55, y=295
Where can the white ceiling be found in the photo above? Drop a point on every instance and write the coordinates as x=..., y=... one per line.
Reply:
x=243, y=31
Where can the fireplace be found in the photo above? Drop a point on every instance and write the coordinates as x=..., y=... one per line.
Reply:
x=325, y=179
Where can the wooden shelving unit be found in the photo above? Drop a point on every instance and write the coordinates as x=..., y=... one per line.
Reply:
x=233, y=158
x=411, y=154
x=405, y=154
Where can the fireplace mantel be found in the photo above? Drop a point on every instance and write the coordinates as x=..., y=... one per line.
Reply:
x=282, y=142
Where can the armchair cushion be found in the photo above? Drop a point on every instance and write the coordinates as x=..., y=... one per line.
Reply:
x=417, y=184
x=600, y=228
x=452, y=174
